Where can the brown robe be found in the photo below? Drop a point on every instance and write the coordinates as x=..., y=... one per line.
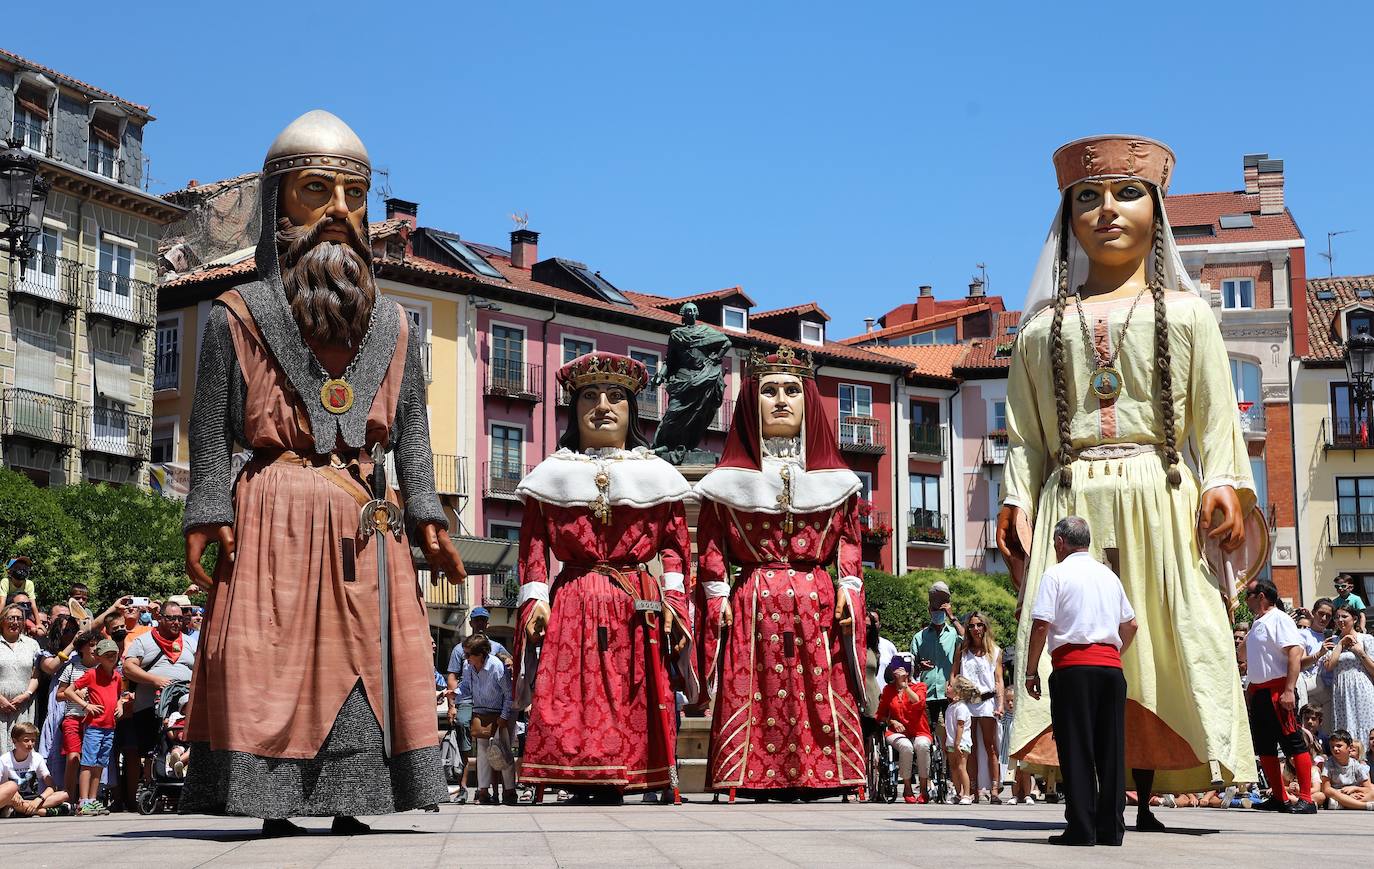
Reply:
x=287, y=636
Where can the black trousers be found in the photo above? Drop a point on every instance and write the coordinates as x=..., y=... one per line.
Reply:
x=1088, y=711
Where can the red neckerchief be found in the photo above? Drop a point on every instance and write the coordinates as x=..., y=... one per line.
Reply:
x=170, y=648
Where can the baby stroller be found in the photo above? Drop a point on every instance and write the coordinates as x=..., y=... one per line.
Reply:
x=162, y=789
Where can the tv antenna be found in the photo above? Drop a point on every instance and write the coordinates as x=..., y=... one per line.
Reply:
x=983, y=274
x=1329, y=255
x=521, y=218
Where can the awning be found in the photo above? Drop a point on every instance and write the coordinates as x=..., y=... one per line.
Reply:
x=481, y=555
x=112, y=378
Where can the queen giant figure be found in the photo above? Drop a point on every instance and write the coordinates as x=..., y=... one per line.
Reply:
x=777, y=640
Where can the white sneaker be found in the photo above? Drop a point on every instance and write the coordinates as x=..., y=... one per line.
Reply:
x=1029, y=800
x=1012, y=801
x=966, y=801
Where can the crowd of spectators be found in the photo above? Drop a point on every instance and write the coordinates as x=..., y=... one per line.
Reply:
x=86, y=699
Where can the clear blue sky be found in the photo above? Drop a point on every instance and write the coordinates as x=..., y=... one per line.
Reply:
x=842, y=152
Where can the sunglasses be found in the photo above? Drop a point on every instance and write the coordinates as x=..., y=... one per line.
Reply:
x=175, y=618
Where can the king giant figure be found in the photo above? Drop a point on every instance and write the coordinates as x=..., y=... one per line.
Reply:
x=313, y=692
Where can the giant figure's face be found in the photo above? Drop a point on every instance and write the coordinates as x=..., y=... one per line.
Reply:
x=1113, y=220
x=603, y=415
x=311, y=195
x=781, y=404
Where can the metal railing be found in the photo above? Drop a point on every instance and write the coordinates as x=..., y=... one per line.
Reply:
x=117, y=432
x=104, y=163
x=861, y=434
x=653, y=403
x=50, y=278
x=167, y=369
x=995, y=449
x=34, y=137
x=499, y=479
x=502, y=589
x=725, y=414
x=122, y=298
x=425, y=361
x=926, y=526
x=445, y=594
x=1350, y=529
x=1252, y=421
x=35, y=415
x=1346, y=433
x=515, y=380
x=927, y=440
x=875, y=527
x=450, y=474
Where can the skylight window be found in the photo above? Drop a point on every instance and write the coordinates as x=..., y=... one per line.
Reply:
x=1326, y=296
x=1237, y=221
x=467, y=257
x=602, y=287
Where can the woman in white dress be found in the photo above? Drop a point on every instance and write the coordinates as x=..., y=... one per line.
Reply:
x=980, y=661
x=1351, y=661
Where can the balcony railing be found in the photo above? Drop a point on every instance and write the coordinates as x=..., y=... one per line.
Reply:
x=862, y=434
x=926, y=527
x=725, y=414
x=995, y=449
x=445, y=594
x=52, y=279
x=122, y=298
x=167, y=368
x=653, y=403
x=30, y=414
x=876, y=527
x=1350, y=529
x=450, y=474
x=515, y=380
x=927, y=440
x=499, y=479
x=425, y=362
x=117, y=432
x=104, y=163
x=34, y=136
x=1252, y=422
x=1345, y=433
x=503, y=589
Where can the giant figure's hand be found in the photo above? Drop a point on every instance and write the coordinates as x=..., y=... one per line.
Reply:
x=1009, y=542
x=537, y=621
x=1230, y=528
x=844, y=613
x=727, y=615
x=197, y=538
x=442, y=554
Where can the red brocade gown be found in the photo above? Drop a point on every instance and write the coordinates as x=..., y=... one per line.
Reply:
x=785, y=710
x=603, y=709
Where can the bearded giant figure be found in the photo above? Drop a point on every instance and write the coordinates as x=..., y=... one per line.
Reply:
x=299, y=707
x=777, y=647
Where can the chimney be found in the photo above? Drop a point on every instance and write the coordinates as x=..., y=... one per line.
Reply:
x=975, y=288
x=1270, y=183
x=1252, y=171
x=524, y=248
x=925, y=302
x=400, y=209
x=868, y=324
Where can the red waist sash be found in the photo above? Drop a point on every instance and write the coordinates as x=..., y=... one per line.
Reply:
x=1086, y=655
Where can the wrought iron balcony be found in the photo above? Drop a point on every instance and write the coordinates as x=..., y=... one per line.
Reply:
x=167, y=368
x=122, y=298
x=1346, y=433
x=450, y=474
x=50, y=279
x=724, y=415
x=927, y=440
x=862, y=434
x=875, y=527
x=1350, y=529
x=653, y=403
x=1252, y=422
x=515, y=380
x=499, y=479
x=995, y=449
x=104, y=163
x=926, y=527
x=38, y=416
x=502, y=589
x=34, y=136
x=116, y=432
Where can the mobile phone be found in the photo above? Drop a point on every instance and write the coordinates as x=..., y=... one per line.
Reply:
x=138, y=601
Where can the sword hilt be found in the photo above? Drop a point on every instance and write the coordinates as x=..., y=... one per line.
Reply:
x=380, y=516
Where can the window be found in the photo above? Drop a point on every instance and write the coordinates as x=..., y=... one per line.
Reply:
x=164, y=442
x=1355, y=510
x=735, y=319
x=1245, y=376
x=925, y=428
x=865, y=485
x=650, y=403
x=167, y=361
x=999, y=416
x=465, y=256
x=104, y=148
x=812, y=333
x=946, y=335
x=1357, y=321
x=1238, y=293
x=30, y=122
x=116, y=266
x=575, y=347
x=648, y=359
x=507, y=452
x=508, y=358
x=924, y=520
x=35, y=365
x=110, y=424
x=855, y=400
x=503, y=587
x=1344, y=416
x=43, y=275
x=596, y=283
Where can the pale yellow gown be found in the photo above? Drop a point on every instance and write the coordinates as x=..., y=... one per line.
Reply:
x=1185, y=710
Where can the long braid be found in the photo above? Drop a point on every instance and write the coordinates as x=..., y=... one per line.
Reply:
x=1058, y=363
x=1162, y=356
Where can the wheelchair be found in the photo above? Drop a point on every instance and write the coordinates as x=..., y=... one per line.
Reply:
x=884, y=781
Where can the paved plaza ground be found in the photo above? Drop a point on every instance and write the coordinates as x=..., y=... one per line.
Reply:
x=698, y=834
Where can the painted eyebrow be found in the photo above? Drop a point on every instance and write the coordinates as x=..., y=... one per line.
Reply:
x=323, y=175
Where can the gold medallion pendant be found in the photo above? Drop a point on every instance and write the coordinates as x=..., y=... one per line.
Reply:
x=336, y=395
x=1105, y=383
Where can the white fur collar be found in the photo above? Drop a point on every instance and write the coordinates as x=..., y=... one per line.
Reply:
x=638, y=478
x=760, y=491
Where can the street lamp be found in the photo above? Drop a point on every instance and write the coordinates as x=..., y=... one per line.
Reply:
x=23, y=199
x=1359, y=369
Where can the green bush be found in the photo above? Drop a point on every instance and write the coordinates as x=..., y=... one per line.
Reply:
x=902, y=600
x=32, y=523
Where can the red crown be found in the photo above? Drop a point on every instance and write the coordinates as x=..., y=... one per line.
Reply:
x=600, y=367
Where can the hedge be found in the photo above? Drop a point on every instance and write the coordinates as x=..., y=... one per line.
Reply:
x=901, y=601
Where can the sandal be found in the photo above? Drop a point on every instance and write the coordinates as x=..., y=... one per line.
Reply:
x=994, y=800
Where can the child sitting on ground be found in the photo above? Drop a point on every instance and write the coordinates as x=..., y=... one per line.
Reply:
x=959, y=736
x=25, y=785
x=1345, y=780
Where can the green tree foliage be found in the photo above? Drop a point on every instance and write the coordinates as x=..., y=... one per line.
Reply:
x=117, y=539
x=902, y=603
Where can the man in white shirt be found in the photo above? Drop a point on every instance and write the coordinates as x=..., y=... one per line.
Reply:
x=1273, y=660
x=1081, y=612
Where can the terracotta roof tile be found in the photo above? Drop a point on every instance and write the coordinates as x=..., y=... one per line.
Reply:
x=994, y=353
x=936, y=319
x=808, y=308
x=713, y=294
x=246, y=266
x=930, y=360
x=63, y=78
x=1206, y=209
x=202, y=191
x=1324, y=345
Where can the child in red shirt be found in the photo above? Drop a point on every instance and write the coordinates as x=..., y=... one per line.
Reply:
x=902, y=707
x=104, y=705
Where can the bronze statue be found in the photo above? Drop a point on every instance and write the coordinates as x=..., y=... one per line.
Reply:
x=695, y=386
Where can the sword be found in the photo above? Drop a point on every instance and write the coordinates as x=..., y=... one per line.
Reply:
x=383, y=517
